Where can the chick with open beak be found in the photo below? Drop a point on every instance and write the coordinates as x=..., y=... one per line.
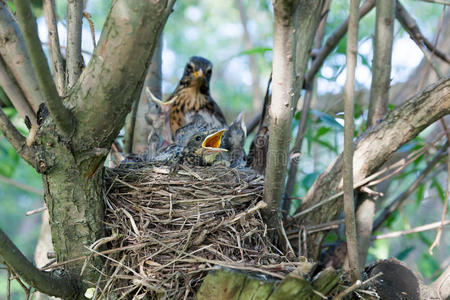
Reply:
x=203, y=148
x=200, y=150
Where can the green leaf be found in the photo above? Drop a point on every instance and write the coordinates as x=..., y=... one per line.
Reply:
x=403, y=254
x=419, y=193
x=321, y=131
x=325, y=144
x=327, y=119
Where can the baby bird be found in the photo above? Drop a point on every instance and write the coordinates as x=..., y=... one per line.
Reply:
x=234, y=140
x=200, y=150
x=192, y=97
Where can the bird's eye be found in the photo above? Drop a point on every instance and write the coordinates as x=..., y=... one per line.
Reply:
x=198, y=138
x=190, y=68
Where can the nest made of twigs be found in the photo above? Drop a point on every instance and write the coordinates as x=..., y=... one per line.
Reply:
x=168, y=229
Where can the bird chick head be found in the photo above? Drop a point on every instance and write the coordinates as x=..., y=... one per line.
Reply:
x=203, y=147
x=208, y=141
x=197, y=73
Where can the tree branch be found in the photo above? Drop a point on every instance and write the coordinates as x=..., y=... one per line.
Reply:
x=61, y=114
x=349, y=128
x=55, y=49
x=74, y=60
x=332, y=42
x=120, y=59
x=15, y=57
x=15, y=94
x=378, y=104
x=16, y=139
x=421, y=228
x=410, y=25
x=280, y=110
x=372, y=149
x=292, y=175
x=47, y=282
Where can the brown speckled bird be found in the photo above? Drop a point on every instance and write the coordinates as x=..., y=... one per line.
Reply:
x=192, y=97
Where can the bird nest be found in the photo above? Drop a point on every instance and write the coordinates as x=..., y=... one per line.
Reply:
x=169, y=230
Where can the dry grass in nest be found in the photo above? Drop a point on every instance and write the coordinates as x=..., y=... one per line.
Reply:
x=168, y=230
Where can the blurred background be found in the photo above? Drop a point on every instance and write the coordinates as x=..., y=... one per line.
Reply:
x=237, y=37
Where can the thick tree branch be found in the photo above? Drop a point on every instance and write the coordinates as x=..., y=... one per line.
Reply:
x=61, y=114
x=410, y=25
x=16, y=139
x=47, y=282
x=381, y=68
x=127, y=42
x=332, y=42
x=15, y=56
x=349, y=128
x=311, y=19
x=15, y=94
x=55, y=49
x=280, y=111
x=372, y=149
x=74, y=24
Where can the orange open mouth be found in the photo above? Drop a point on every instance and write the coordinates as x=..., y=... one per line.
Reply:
x=212, y=142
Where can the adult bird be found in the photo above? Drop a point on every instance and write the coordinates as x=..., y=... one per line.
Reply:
x=192, y=97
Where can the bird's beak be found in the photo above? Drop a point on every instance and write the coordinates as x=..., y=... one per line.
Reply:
x=198, y=73
x=212, y=142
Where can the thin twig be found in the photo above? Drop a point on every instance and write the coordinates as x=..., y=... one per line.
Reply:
x=443, y=2
x=8, y=284
x=21, y=185
x=91, y=26
x=400, y=199
x=410, y=25
x=398, y=166
x=54, y=46
x=36, y=211
x=412, y=230
x=355, y=286
x=16, y=139
x=61, y=114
